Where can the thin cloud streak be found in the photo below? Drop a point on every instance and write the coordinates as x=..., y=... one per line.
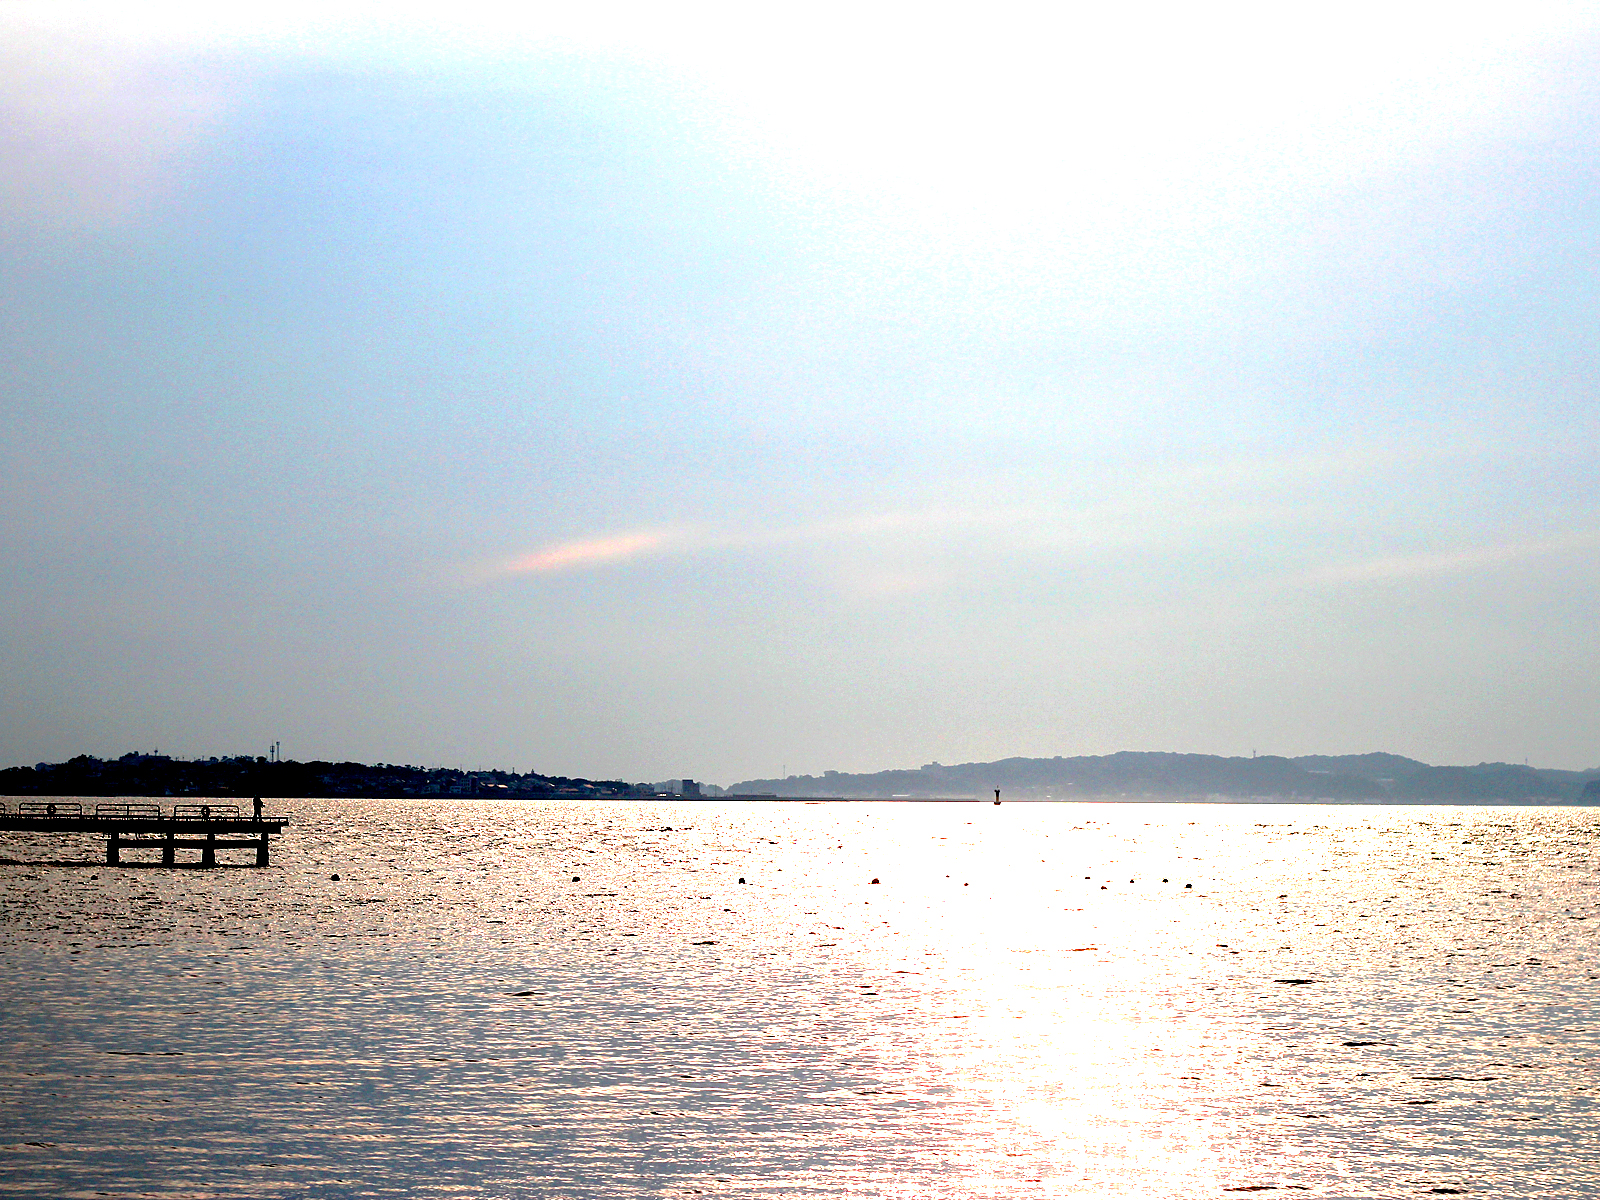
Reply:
x=1052, y=532
x=1444, y=562
x=614, y=549
x=1145, y=512
x=592, y=552
x=1284, y=504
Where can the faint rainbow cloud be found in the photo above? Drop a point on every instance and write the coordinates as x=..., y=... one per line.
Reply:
x=897, y=526
x=592, y=552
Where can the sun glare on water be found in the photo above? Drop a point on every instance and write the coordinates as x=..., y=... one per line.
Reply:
x=1031, y=1001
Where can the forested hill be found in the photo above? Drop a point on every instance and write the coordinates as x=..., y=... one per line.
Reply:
x=1134, y=775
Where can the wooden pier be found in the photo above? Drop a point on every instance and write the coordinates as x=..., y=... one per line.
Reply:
x=129, y=824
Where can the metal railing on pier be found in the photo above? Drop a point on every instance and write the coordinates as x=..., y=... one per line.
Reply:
x=205, y=812
x=49, y=808
x=125, y=810
x=148, y=812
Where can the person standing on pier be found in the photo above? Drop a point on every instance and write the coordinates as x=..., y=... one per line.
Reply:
x=257, y=803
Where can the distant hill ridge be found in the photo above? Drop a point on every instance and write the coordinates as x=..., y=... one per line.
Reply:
x=1157, y=775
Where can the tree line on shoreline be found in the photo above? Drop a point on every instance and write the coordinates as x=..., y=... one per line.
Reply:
x=161, y=775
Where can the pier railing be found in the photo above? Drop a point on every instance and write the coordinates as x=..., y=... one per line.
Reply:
x=49, y=808
x=120, y=811
x=205, y=812
x=147, y=812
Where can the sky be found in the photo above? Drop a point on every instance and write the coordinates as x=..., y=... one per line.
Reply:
x=663, y=391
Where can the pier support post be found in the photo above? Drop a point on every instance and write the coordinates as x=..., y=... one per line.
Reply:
x=169, y=852
x=208, y=852
x=113, y=849
x=261, y=850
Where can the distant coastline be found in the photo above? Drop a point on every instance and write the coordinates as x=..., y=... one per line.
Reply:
x=1130, y=776
x=1155, y=776
x=241, y=775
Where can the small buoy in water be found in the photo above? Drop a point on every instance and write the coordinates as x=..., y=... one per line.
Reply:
x=997, y=797
x=574, y=879
x=1164, y=880
x=334, y=877
x=874, y=879
x=1188, y=885
x=1130, y=881
x=1102, y=887
x=741, y=879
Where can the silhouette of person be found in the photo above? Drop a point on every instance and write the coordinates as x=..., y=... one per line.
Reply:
x=257, y=803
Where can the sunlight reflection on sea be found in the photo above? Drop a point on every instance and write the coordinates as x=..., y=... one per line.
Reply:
x=1036, y=1000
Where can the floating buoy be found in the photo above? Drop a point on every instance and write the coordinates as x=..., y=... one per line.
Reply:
x=874, y=879
x=334, y=877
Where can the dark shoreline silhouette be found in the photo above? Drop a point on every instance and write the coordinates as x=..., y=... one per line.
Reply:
x=161, y=775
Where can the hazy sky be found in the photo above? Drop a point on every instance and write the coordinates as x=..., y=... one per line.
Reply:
x=680, y=390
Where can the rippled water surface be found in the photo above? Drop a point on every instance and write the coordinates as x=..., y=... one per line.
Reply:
x=505, y=999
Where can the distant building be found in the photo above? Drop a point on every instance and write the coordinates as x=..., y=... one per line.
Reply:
x=678, y=787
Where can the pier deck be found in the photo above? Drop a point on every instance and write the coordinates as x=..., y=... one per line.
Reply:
x=125, y=825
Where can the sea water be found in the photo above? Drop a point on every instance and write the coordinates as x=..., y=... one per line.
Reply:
x=509, y=999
